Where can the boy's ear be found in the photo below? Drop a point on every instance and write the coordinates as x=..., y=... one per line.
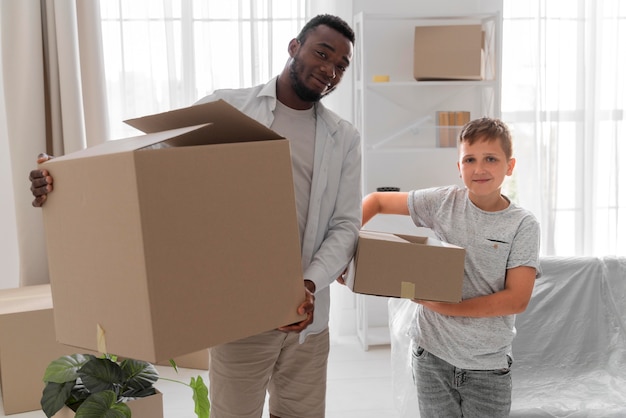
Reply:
x=511, y=164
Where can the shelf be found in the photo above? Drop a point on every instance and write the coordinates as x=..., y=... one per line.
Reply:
x=444, y=83
x=428, y=20
x=399, y=120
x=415, y=150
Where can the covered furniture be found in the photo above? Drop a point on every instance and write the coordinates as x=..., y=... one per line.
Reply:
x=570, y=348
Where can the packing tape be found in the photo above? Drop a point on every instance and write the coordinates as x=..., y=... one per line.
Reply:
x=380, y=78
x=407, y=290
x=101, y=341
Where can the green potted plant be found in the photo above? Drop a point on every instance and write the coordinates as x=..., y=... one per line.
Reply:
x=100, y=387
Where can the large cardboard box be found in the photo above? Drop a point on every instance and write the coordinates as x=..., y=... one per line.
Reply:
x=448, y=52
x=27, y=345
x=407, y=266
x=175, y=241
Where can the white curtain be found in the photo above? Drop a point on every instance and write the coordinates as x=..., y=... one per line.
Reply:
x=564, y=90
x=166, y=54
x=160, y=55
x=51, y=100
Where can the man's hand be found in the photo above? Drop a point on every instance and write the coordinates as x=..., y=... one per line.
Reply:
x=40, y=182
x=306, y=308
x=342, y=277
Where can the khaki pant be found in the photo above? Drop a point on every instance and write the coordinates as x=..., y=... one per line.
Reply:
x=294, y=374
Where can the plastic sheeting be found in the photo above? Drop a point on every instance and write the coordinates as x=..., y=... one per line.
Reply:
x=570, y=349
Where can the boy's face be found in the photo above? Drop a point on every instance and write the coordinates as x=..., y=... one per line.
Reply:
x=483, y=167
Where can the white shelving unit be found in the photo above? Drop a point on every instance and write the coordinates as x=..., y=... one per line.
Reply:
x=397, y=118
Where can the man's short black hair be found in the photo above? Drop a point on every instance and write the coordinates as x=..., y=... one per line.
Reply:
x=331, y=21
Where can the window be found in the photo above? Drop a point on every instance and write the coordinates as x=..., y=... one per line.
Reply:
x=563, y=96
x=162, y=55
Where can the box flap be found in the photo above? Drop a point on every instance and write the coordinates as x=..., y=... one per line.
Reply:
x=119, y=146
x=229, y=123
x=385, y=236
x=427, y=241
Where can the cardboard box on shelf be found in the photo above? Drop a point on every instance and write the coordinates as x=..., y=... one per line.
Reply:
x=27, y=346
x=449, y=125
x=171, y=242
x=407, y=266
x=448, y=52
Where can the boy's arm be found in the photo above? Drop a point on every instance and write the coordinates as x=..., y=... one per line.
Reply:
x=393, y=203
x=513, y=299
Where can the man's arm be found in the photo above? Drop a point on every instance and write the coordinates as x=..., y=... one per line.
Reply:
x=341, y=232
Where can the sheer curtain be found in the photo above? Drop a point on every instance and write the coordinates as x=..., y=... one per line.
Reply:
x=564, y=87
x=51, y=100
x=165, y=54
x=159, y=55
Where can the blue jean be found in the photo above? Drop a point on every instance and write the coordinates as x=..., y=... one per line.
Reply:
x=445, y=391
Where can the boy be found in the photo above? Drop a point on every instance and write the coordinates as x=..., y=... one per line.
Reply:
x=462, y=354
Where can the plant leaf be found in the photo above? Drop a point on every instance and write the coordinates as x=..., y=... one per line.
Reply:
x=78, y=395
x=100, y=374
x=132, y=394
x=138, y=375
x=54, y=396
x=200, y=397
x=103, y=405
x=64, y=369
x=174, y=365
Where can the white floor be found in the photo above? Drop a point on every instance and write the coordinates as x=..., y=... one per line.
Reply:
x=359, y=385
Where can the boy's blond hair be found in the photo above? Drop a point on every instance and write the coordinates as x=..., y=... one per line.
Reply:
x=487, y=129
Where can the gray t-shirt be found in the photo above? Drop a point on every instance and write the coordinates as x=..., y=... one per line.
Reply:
x=493, y=242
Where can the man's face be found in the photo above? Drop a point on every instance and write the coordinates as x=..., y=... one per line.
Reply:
x=319, y=63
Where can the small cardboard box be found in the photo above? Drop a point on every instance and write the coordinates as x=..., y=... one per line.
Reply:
x=407, y=266
x=449, y=52
x=175, y=241
x=27, y=346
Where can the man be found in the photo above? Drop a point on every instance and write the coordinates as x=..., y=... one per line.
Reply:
x=326, y=160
